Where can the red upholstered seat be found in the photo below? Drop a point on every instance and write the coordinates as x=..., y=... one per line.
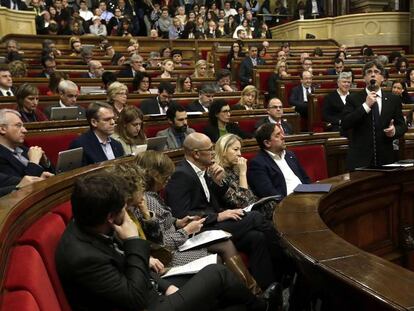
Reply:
x=263, y=80
x=313, y=160
x=64, y=210
x=247, y=125
x=52, y=144
x=198, y=126
x=318, y=124
x=43, y=89
x=232, y=101
x=20, y=300
x=44, y=236
x=249, y=155
x=153, y=129
x=27, y=272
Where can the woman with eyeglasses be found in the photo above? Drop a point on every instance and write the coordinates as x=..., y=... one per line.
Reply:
x=141, y=83
x=117, y=95
x=129, y=130
x=27, y=97
x=219, y=122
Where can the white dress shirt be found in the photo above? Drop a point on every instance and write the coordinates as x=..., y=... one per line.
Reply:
x=106, y=147
x=379, y=101
x=200, y=173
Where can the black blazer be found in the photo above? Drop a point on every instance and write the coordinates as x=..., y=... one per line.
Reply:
x=271, y=85
x=214, y=133
x=185, y=194
x=265, y=177
x=92, y=150
x=246, y=69
x=358, y=124
x=11, y=166
x=285, y=125
x=21, y=5
x=8, y=183
x=195, y=106
x=126, y=73
x=97, y=277
x=332, y=110
x=150, y=106
x=296, y=99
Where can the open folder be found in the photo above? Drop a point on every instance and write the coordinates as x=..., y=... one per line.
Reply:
x=192, y=267
x=203, y=238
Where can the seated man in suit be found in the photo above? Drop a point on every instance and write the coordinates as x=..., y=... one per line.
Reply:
x=136, y=62
x=178, y=130
x=68, y=94
x=274, y=170
x=97, y=144
x=6, y=83
x=338, y=67
x=247, y=65
x=95, y=70
x=334, y=103
x=299, y=94
x=275, y=115
x=16, y=159
x=49, y=66
x=160, y=104
x=205, y=98
x=196, y=187
x=104, y=264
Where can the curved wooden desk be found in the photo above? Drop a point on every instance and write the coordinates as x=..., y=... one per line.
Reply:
x=344, y=241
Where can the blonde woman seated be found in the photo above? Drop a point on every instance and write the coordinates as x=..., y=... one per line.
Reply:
x=129, y=130
x=167, y=68
x=248, y=99
x=202, y=70
x=228, y=155
x=158, y=169
x=117, y=95
x=279, y=72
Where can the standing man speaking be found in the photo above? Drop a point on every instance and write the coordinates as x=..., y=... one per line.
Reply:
x=373, y=119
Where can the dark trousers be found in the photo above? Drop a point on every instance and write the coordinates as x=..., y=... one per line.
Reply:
x=256, y=237
x=213, y=288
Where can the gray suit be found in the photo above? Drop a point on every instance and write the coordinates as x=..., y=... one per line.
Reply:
x=171, y=139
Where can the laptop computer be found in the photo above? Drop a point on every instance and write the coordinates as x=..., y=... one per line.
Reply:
x=64, y=113
x=156, y=143
x=69, y=160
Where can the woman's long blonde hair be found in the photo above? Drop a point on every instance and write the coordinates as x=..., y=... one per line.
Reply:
x=221, y=147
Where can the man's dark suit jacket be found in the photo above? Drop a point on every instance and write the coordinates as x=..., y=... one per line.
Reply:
x=308, y=9
x=185, y=194
x=81, y=110
x=41, y=75
x=92, y=149
x=296, y=99
x=11, y=166
x=150, y=106
x=21, y=5
x=358, y=124
x=285, y=125
x=95, y=276
x=214, y=134
x=195, y=106
x=265, y=177
x=8, y=183
x=126, y=73
x=246, y=69
x=332, y=110
x=331, y=72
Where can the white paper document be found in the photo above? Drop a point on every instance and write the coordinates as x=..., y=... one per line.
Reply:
x=192, y=267
x=275, y=198
x=204, y=238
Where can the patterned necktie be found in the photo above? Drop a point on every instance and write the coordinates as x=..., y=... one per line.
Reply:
x=8, y=93
x=375, y=125
x=279, y=125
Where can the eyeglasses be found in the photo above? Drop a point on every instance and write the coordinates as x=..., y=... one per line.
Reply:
x=211, y=148
x=275, y=107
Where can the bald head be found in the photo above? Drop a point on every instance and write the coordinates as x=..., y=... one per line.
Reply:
x=198, y=150
x=196, y=141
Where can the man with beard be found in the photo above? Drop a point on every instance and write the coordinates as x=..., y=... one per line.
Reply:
x=160, y=104
x=178, y=131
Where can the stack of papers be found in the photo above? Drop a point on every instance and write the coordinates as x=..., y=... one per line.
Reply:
x=204, y=238
x=192, y=267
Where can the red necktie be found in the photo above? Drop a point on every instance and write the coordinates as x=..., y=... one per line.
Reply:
x=279, y=125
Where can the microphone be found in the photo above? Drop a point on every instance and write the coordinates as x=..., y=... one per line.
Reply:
x=372, y=85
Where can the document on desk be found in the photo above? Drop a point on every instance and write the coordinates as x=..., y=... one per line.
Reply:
x=192, y=267
x=203, y=238
x=255, y=205
x=317, y=187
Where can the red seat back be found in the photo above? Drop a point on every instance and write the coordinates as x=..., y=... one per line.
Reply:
x=247, y=125
x=20, y=300
x=64, y=210
x=153, y=129
x=264, y=76
x=198, y=125
x=313, y=160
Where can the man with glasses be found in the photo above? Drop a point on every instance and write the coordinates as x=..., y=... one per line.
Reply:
x=135, y=65
x=299, y=94
x=373, y=119
x=160, y=104
x=95, y=70
x=97, y=144
x=205, y=98
x=68, y=94
x=334, y=103
x=178, y=130
x=274, y=115
x=15, y=158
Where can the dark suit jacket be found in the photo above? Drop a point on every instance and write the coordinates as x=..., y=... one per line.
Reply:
x=331, y=72
x=126, y=73
x=246, y=69
x=358, y=123
x=308, y=9
x=48, y=111
x=11, y=166
x=41, y=75
x=214, y=134
x=20, y=4
x=265, y=177
x=92, y=150
x=332, y=110
x=150, y=106
x=296, y=99
x=286, y=126
x=195, y=106
x=8, y=183
x=96, y=277
x=271, y=85
x=185, y=194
